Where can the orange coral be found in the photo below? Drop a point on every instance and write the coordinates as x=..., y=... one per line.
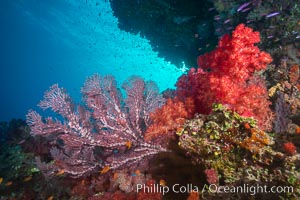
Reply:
x=297, y=130
x=294, y=74
x=193, y=196
x=169, y=117
x=257, y=140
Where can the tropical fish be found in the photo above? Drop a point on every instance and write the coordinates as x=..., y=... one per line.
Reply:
x=247, y=9
x=162, y=182
x=104, y=170
x=247, y=126
x=128, y=144
x=272, y=14
x=1, y=180
x=138, y=172
x=116, y=151
x=133, y=174
x=50, y=198
x=21, y=142
x=227, y=21
x=28, y=178
x=243, y=6
x=60, y=172
x=217, y=17
x=115, y=176
x=9, y=183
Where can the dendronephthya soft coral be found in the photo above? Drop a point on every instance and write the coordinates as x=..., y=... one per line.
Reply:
x=227, y=75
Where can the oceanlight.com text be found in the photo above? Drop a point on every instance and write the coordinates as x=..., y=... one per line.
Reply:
x=248, y=189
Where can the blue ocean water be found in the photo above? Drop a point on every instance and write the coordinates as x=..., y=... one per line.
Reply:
x=64, y=41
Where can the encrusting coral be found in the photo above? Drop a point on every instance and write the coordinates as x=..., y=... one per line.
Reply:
x=234, y=151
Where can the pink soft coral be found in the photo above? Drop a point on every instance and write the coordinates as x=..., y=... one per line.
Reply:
x=226, y=75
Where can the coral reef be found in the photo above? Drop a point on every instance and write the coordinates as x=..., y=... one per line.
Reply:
x=221, y=126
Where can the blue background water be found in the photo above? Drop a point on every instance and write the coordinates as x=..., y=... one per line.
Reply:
x=63, y=41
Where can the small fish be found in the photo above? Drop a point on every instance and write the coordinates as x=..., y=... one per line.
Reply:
x=162, y=182
x=1, y=180
x=247, y=126
x=105, y=170
x=9, y=183
x=115, y=176
x=243, y=6
x=50, y=198
x=227, y=21
x=21, y=142
x=134, y=174
x=270, y=36
x=247, y=9
x=128, y=144
x=211, y=9
x=28, y=178
x=217, y=17
x=116, y=151
x=138, y=172
x=272, y=14
x=277, y=39
x=298, y=36
x=60, y=172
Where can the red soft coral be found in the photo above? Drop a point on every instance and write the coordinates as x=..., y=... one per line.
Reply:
x=168, y=118
x=290, y=148
x=226, y=75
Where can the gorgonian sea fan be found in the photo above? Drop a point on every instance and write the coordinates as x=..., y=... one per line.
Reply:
x=110, y=122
